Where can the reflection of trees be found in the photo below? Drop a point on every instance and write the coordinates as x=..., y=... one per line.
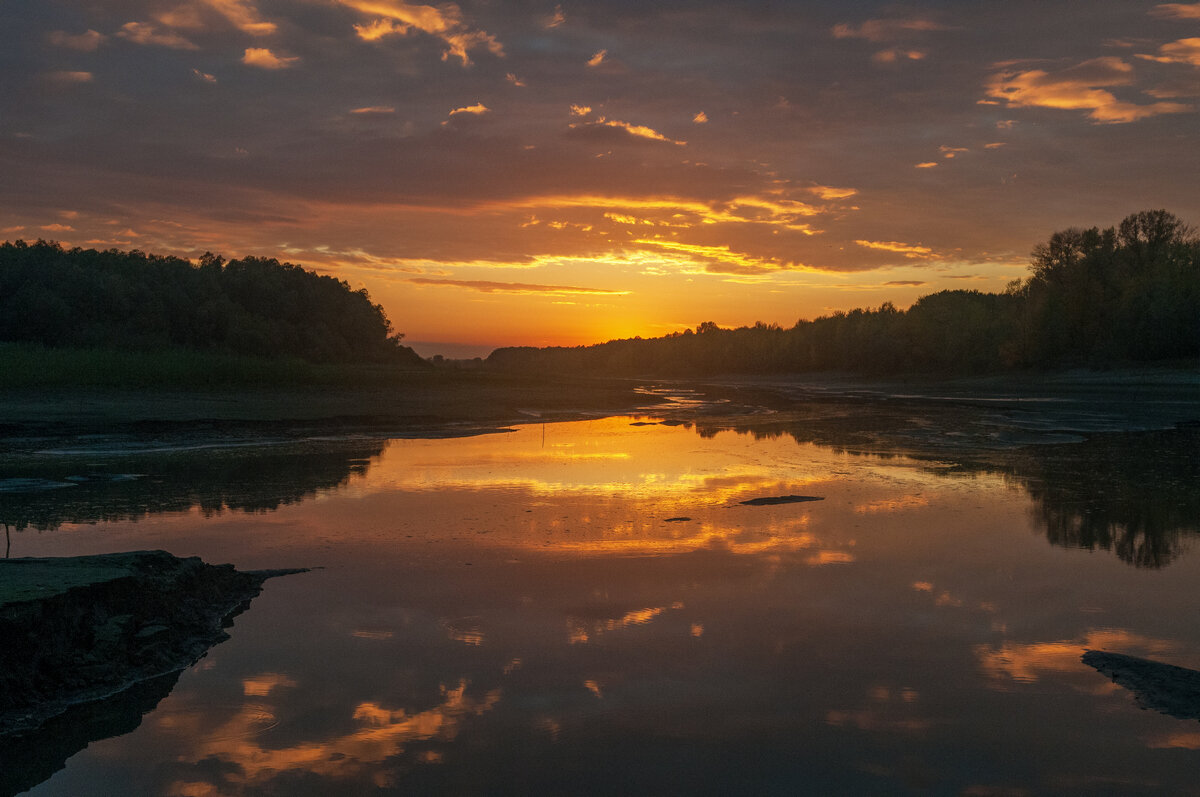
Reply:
x=252, y=479
x=1136, y=494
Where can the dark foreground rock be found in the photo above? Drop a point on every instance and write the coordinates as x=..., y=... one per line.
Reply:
x=1165, y=688
x=80, y=629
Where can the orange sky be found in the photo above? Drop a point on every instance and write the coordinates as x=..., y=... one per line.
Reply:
x=502, y=173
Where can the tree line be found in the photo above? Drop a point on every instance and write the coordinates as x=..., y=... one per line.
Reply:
x=1094, y=298
x=84, y=298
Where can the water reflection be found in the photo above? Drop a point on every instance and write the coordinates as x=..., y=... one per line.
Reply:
x=109, y=485
x=1135, y=494
x=376, y=734
x=600, y=613
x=27, y=759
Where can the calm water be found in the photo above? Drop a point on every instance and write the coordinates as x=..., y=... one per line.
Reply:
x=586, y=607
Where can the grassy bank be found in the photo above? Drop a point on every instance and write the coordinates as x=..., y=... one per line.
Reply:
x=24, y=365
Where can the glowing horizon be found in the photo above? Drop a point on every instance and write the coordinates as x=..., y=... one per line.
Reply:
x=562, y=175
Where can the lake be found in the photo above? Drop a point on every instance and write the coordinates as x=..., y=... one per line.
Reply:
x=590, y=606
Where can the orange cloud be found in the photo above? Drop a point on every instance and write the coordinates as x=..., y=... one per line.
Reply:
x=640, y=131
x=829, y=192
x=722, y=259
x=265, y=59
x=1184, y=51
x=894, y=55
x=85, y=42
x=927, y=165
x=487, y=286
x=207, y=78
x=784, y=213
x=513, y=79
x=1177, y=11
x=1081, y=87
x=700, y=118
x=555, y=19
x=243, y=16
x=908, y=250
x=478, y=109
x=375, y=109
x=580, y=110
x=145, y=33
x=396, y=17
x=598, y=58
x=878, y=30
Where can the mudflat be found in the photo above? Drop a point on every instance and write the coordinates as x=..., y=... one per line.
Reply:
x=421, y=400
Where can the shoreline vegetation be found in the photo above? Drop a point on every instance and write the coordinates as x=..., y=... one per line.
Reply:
x=129, y=341
x=1118, y=297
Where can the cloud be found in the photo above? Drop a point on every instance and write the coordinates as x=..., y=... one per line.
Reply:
x=700, y=118
x=396, y=17
x=374, y=109
x=146, y=33
x=908, y=250
x=721, y=259
x=906, y=283
x=57, y=227
x=880, y=30
x=1081, y=87
x=603, y=128
x=513, y=79
x=86, y=42
x=556, y=19
x=1177, y=11
x=580, y=110
x=207, y=78
x=487, y=286
x=1184, y=51
x=829, y=192
x=927, y=165
x=265, y=59
x=949, y=152
x=894, y=55
x=65, y=77
x=478, y=109
x=243, y=16
x=598, y=58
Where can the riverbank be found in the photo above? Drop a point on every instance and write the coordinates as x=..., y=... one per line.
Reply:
x=447, y=403
x=78, y=629
x=423, y=402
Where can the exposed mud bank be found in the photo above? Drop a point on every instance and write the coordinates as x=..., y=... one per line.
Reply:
x=79, y=629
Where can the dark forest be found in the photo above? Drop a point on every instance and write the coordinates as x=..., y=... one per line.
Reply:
x=89, y=299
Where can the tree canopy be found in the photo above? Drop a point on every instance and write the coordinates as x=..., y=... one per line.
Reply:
x=132, y=300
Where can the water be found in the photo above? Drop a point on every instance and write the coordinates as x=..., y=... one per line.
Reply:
x=588, y=607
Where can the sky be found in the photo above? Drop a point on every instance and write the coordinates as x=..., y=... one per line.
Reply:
x=540, y=173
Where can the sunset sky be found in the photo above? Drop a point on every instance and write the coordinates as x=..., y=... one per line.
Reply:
x=528, y=172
